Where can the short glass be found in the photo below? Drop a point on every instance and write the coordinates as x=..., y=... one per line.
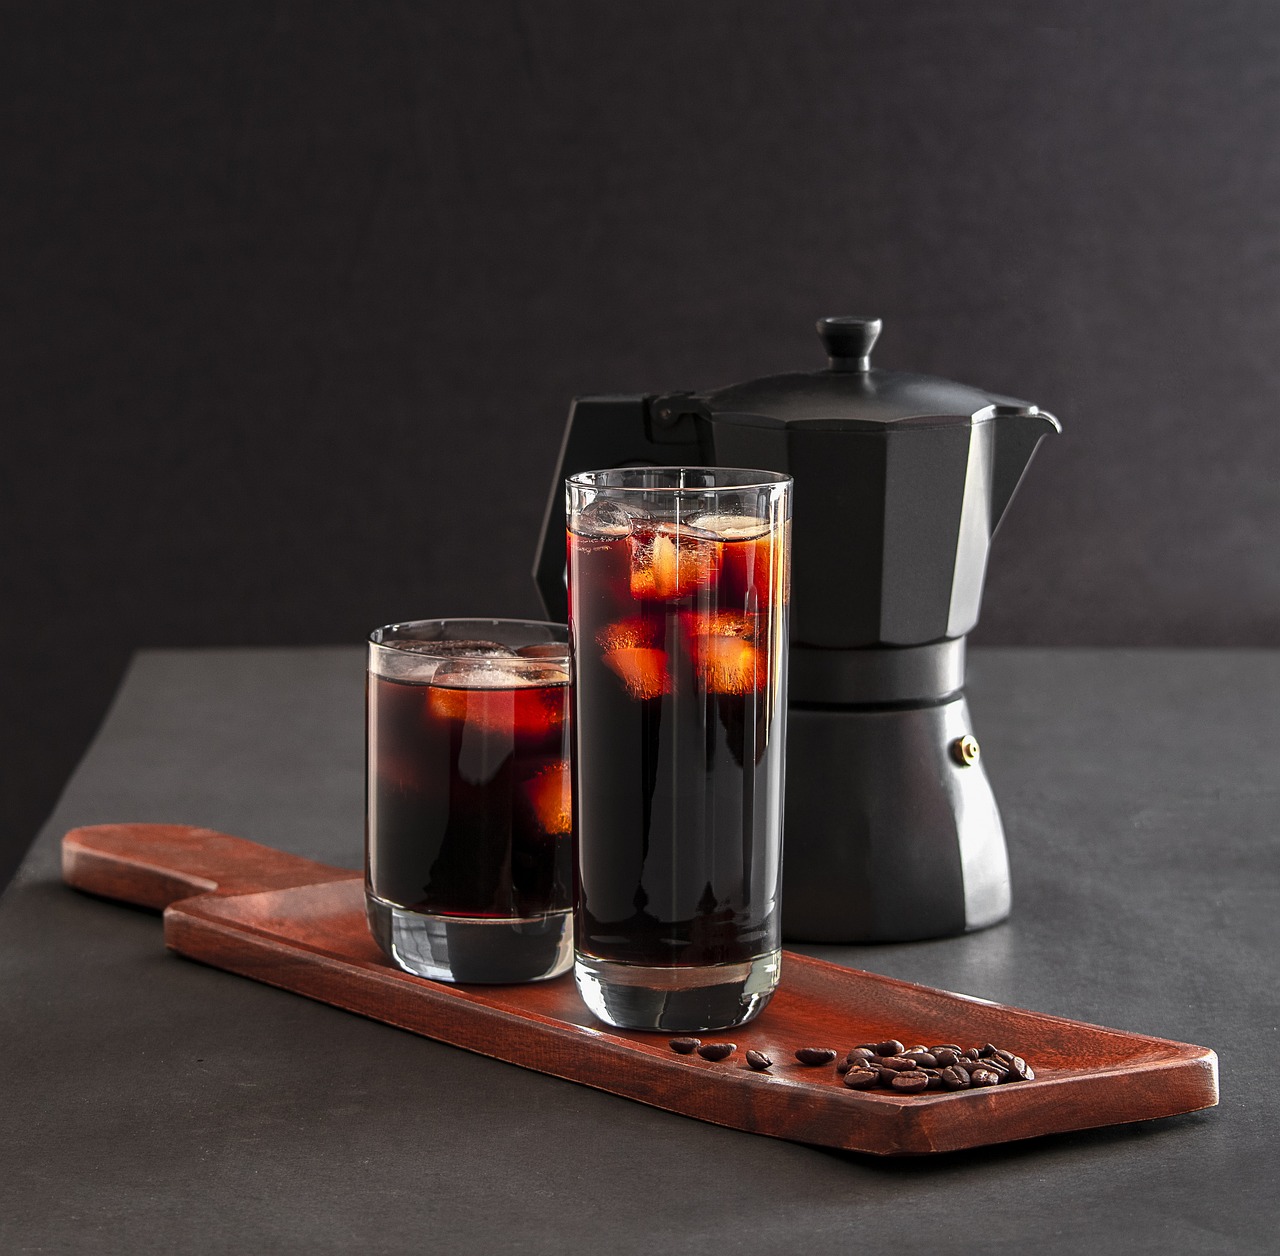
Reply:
x=678, y=597
x=468, y=863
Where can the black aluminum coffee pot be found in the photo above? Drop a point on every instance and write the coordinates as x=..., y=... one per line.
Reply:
x=892, y=831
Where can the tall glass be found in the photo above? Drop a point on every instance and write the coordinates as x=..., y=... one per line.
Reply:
x=678, y=596
x=468, y=869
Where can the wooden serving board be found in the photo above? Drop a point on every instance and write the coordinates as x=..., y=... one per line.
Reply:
x=300, y=925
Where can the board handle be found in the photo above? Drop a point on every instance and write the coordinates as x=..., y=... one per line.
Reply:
x=153, y=865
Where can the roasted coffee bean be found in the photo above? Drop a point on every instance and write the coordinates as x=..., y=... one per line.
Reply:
x=946, y=1046
x=860, y=1053
x=814, y=1056
x=899, y=1063
x=925, y=1059
x=859, y=1078
x=945, y=1056
x=935, y=1078
x=717, y=1050
x=890, y=1046
x=988, y=1051
x=954, y=1078
x=843, y=1066
x=685, y=1046
x=759, y=1061
x=912, y=1081
x=984, y=1077
x=970, y=1053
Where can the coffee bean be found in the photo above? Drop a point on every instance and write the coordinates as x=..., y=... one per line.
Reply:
x=945, y=1056
x=954, y=1078
x=925, y=1059
x=859, y=1078
x=945, y=1046
x=911, y=1081
x=984, y=1077
x=759, y=1061
x=860, y=1053
x=843, y=1066
x=814, y=1056
x=685, y=1046
x=891, y=1046
x=717, y=1050
x=899, y=1063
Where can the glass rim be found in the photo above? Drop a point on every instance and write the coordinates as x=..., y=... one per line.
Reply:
x=488, y=660
x=739, y=479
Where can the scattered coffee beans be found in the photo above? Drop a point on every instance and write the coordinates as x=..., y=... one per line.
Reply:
x=717, y=1050
x=891, y=1066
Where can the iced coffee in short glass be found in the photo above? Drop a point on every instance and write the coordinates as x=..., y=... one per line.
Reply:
x=468, y=869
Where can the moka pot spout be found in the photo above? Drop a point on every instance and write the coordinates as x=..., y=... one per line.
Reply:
x=1019, y=429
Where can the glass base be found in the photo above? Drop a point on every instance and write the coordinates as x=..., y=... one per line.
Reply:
x=682, y=1000
x=468, y=949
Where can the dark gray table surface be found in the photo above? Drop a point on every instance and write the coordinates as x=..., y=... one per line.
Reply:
x=150, y=1104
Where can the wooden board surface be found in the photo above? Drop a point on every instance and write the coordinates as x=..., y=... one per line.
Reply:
x=300, y=925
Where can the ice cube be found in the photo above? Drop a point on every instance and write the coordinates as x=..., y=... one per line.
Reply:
x=501, y=697
x=673, y=561
x=454, y=649
x=605, y=517
x=643, y=670
x=548, y=793
x=545, y=672
x=558, y=650
x=721, y=624
x=475, y=673
x=628, y=633
x=730, y=665
x=417, y=661
x=732, y=527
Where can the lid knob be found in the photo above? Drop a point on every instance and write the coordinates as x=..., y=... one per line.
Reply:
x=849, y=340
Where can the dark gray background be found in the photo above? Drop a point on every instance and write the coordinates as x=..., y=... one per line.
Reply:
x=296, y=297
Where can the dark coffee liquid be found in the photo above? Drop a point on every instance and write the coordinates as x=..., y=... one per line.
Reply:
x=469, y=797
x=679, y=758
